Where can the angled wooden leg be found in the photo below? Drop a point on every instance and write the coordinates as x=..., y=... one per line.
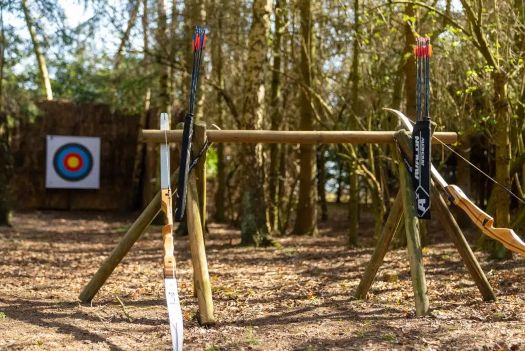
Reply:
x=389, y=229
x=451, y=227
x=110, y=263
x=121, y=250
x=125, y=244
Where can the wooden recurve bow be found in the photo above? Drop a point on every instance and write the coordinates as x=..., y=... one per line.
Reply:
x=481, y=219
x=170, y=281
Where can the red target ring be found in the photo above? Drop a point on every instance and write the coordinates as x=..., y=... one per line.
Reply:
x=73, y=162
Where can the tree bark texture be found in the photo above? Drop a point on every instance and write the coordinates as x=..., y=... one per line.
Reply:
x=503, y=152
x=2, y=60
x=410, y=65
x=139, y=170
x=6, y=171
x=275, y=123
x=161, y=37
x=254, y=226
x=217, y=72
x=321, y=180
x=306, y=219
x=353, y=209
x=195, y=14
x=501, y=136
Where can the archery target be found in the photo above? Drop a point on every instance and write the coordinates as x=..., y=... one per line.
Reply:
x=73, y=162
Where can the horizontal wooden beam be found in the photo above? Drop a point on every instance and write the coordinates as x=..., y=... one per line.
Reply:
x=290, y=137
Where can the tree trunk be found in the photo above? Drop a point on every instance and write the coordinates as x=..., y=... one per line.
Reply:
x=217, y=63
x=40, y=58
x=353, y=209
x=2, y=59
x=175, y=46
x=275, y=94
x=501, y=139
x=284, y=202
x=151, y=168
x=321, y=180
x=6, y=159
x=340, y=181
x=254, y=226
x=6, y=171
x=125, y=36
x=463, y=173
x=519, y=6
x=501, y=111
x=410, y=65
x=195, y=14
x=283, y=153
x=139, y=170
x=374, y=184
x=463, y=168
x=306, y=219
x=161, y=37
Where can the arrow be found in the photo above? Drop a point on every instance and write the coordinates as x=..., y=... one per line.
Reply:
x=421, y=136
x=198, y=42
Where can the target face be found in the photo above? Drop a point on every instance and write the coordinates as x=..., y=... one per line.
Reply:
x=73, y=162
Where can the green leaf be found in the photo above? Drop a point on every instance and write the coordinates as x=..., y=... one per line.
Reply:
x=411, y=19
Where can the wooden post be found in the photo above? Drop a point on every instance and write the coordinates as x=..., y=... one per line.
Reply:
x=291, y=137
x=388, y=232
x=200, y=170
x=452, y=228
x=415, y=255
x=132, y=235
x=198, y=254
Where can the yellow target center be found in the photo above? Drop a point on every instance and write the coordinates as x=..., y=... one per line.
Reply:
x=73, y=162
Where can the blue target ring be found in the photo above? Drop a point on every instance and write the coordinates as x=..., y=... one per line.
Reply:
x=73, y=162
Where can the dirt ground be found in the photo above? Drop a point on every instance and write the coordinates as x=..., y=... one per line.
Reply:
x=296, y=297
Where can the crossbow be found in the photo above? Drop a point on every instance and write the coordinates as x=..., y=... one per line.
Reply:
x=481, y=219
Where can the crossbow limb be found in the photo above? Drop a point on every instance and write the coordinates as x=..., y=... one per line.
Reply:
x=481, y=219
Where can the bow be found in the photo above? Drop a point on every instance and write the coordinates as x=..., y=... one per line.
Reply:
x=170, y=281
x=198, y=41
x=481, y=219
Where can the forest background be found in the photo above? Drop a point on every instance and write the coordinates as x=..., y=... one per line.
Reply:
x=284, y=65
